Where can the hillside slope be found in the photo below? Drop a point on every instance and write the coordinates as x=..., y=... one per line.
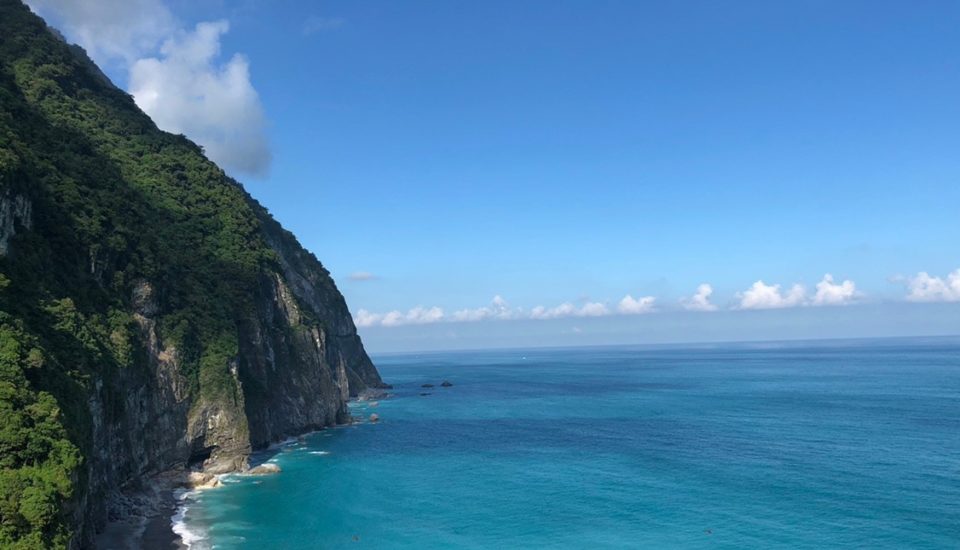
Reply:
x=152, y=314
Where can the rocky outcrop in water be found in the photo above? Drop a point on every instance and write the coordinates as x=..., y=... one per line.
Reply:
x=264, y=469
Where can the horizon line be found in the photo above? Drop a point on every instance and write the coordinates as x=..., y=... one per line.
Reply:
x=676, y=345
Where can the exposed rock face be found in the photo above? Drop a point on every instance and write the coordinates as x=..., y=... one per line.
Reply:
x=144, y=437
x=313, y=288
x=300, y=361
x=14, y=211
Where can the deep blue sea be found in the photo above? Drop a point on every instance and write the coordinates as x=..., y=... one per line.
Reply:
x=836, y=444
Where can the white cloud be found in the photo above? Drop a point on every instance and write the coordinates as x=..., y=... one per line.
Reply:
x=498, y=309
x=828, y=293
x=175, y=75
x=420, y=315
x=362, y=276
x=566, y=309
x=831, y=294
x=593, y=309
x=110, y=29
x=926, y=288
x=366, y=319
x=187, y=91
x=764, y=296
x=417, y=316
x=631, y=306
x=315, y=24
x=759, y=296
x=700, y=301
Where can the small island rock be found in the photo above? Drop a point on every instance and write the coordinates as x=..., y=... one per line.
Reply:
x=446, y=384
x=374, y=417
x=264, y=469
x=203, y=480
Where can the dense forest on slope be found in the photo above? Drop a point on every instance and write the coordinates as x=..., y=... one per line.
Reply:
x=96, y=205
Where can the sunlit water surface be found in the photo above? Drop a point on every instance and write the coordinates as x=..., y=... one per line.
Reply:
x=827, y=445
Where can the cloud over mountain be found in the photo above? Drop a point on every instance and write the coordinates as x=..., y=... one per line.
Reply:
x=175, y=74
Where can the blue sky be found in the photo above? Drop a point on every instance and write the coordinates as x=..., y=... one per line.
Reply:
x=555, y=153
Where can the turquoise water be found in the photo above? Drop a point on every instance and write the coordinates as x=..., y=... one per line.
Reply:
x=803, y=447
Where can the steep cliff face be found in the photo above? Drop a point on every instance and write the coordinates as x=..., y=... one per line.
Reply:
x=152, y=314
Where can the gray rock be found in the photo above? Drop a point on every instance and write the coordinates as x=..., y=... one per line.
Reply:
x=264, y=469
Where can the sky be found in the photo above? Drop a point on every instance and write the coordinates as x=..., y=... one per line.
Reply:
x=489, y=174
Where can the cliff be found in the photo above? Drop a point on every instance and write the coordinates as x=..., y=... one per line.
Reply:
x=152, y=314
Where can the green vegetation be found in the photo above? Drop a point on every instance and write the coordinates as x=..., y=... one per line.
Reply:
x=37, y=459
x=114, y=202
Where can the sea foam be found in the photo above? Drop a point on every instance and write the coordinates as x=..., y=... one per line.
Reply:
x=192, y=538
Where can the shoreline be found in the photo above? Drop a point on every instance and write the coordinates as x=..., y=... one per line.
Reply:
x=148, y=532
x=153, y=529
x=158, y=534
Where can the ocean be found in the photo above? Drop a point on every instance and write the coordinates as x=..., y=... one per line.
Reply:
x=793, y=445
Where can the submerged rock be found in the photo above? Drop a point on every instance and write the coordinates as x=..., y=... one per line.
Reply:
x=264, y=469
x=372, y=394
x=424, y=394
x=212, y=484
x=426, y=385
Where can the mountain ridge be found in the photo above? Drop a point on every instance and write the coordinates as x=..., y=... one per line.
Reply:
x=153, y=315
